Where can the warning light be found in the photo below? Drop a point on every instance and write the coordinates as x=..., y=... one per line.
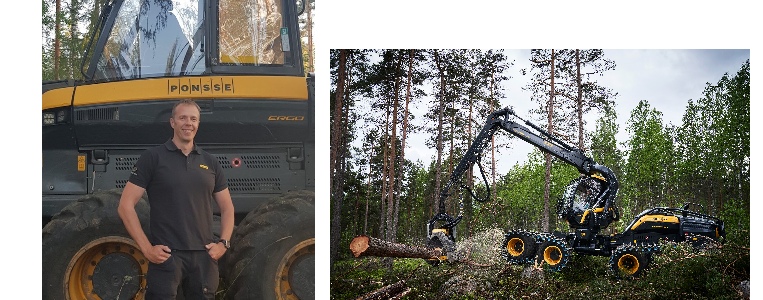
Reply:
x=236, y=162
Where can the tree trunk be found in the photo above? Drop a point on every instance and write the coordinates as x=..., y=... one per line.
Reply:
x=391, y=204
x=368, y=188
x=402, y=144
x=581, y=140
x=336, y=184
x=396, y=290
x=57, y=43
x=547, y=189
x=467, y=201
x=451, y=151
x=338, y=110
x=72, y=48
x=385, y=172
x=368, y=246
x=94, y=14
x=547, y=194
x=470, y=174
x=356, y=215
x=438, y=165
x=492, y=138
x=310, y=36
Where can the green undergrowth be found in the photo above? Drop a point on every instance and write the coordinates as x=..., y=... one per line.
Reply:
x=676, y=273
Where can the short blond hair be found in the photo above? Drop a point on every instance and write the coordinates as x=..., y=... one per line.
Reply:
x=185, y=102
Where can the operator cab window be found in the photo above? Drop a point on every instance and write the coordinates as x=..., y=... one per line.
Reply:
x=162, y=38
x=252, y=33
x=154, y=38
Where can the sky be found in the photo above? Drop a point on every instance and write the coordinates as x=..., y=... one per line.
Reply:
x=667, y=79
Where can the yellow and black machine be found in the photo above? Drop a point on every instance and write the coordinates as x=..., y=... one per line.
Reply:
x=241, y=61
x=588, y=205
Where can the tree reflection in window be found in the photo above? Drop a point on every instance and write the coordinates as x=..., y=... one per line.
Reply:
x=250, y=32
x=169, y=43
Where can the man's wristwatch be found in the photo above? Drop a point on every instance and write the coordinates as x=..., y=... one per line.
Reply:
x=225, y=243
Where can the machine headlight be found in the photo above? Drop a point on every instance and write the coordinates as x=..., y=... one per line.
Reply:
x=48, y=118
x=55, y=117
x=61, y=116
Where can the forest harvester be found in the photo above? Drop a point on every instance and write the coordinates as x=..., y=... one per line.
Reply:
x=588, y=205
x=241, y=61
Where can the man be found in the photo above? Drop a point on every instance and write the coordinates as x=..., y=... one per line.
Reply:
x=181, y=180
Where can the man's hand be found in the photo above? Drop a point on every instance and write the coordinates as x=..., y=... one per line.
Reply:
x=157, y=254
x=215, y=250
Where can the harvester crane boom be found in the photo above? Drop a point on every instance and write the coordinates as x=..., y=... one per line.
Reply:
x=545, y=142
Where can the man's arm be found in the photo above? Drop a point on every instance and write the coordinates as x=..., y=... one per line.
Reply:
x=224, y=202
x=130, y=197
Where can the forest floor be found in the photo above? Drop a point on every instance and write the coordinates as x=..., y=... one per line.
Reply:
x=676, y=273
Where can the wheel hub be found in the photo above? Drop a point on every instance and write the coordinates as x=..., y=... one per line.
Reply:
x=515, y=247
x=116, y=277
x=552, y=255
x=106, y=268
x=628, y=264
x=296, y=272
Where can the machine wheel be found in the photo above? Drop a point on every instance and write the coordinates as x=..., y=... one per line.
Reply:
x=554, y=252
x=88, y=254
x=519, y=247
x=628, y=261
x=272, y=253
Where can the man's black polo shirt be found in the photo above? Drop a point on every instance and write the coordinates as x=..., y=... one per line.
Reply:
x=180, y=193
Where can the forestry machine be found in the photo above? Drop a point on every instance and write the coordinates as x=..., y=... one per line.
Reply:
x=241, y=61
x=587, y=204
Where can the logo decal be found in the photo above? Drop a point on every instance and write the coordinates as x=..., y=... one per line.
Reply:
x=201, y=86
x=204, y=167
x=134, y=170
x=286, y=118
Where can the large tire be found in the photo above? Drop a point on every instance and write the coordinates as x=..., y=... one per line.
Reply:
x=519, y=247
x=628, y=261
x=554, y=253
x=88, y=254
x=272, y=253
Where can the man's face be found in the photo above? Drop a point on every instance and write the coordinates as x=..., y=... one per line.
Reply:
x=185, y=122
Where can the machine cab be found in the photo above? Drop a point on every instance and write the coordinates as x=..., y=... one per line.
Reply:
x=162, y=38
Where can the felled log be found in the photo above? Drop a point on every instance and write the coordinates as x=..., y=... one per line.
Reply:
x=363, y=245
x=393, y=291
